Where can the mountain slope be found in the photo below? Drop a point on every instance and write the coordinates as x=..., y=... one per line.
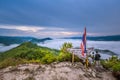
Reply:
x=27, y=52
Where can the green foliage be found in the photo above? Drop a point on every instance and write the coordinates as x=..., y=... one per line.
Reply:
x=65, y=55
x=113, y=63
x=49, y=58
x=116, y=67
x=65, y=46
x=27, y=53
x=10, y=62
x=31, y=53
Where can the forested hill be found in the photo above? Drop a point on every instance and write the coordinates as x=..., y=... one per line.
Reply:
x=27, y=52
x=7, y=40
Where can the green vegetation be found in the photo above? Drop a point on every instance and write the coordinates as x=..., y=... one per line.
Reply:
x=31, y=53
x=112, y=64
x=27, y=53
x=64, y=54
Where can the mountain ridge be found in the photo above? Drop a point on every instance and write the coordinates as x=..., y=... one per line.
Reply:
x=98, y=38
x=7, y=40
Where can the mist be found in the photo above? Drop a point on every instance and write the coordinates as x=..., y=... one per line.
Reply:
x=4, y=48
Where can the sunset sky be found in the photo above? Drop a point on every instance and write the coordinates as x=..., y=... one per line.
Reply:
x=59, y=18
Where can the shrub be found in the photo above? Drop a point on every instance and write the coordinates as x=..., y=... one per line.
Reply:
x=48, y=58
x=113, y=63
x=65, y=46
x=64, y=57
x=116, y=67
x=67, y=57
x=10, y=62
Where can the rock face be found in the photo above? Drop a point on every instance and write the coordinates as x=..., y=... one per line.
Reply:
x=54, y=71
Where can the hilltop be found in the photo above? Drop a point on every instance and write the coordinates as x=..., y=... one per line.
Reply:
x=27, y=52
x=54, y=71
x=29, y=61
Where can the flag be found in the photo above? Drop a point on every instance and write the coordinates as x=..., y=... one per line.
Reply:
x=83, y=43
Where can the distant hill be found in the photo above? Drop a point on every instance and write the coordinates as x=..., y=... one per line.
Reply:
x=109, y=52
x=99, y=38
x=7, y=40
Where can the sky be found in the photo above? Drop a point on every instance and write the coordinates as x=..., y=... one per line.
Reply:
x=59, y=18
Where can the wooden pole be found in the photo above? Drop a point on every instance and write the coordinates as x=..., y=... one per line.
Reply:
x=72, y=58
x=87, y=62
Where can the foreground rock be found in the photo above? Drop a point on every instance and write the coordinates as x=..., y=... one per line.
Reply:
x=54, y=71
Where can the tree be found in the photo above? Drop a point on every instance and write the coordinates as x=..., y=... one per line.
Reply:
x=65, y=46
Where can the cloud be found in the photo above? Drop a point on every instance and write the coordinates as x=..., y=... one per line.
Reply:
x=5, y=48
x=22, y=28
x=38, y=31
x=59, y=34
x=70, y=33
x=35, y=31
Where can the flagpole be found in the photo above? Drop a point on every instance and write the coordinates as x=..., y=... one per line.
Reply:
x=86, y=50
x=72, y=58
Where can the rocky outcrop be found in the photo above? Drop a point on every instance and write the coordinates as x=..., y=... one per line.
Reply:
x=54, y=71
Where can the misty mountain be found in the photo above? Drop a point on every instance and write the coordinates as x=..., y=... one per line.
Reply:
x=99, y=38
x=7, y=40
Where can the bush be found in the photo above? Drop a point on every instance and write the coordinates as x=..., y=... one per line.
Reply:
x=48, y=58
x=67, y=57
x=116, y=67
x=64, y=57
x=10, y=62
x=113, y=63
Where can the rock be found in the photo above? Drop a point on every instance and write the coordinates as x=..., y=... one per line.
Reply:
x=93, y=74
x=99, y=75
x=54, y=71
